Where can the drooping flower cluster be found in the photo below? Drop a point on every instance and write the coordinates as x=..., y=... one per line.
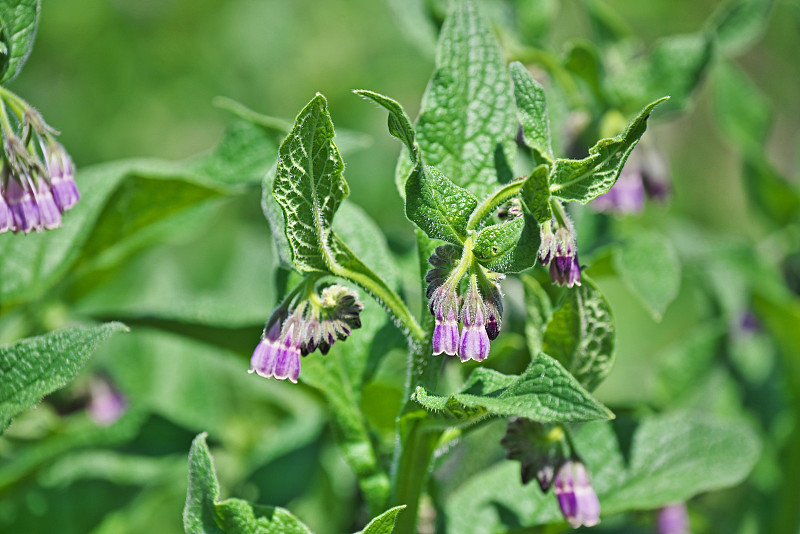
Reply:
x=479, y=308
x=559, y=249
x=540, y=450
x=37, y=184
x=303, y=324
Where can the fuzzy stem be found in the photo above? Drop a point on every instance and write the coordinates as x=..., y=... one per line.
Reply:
x=489, y=205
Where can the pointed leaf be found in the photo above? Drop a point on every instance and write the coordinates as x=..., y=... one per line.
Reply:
x=399, y=124
x=309, y=185
x=648, y=264
x=536, y=194
x=203, y=514
x=19, y=19
x=35, y=367
x=438, y=206
x=467, y=124
x=545, y=392
x=532, y=110
x=581, y=334
x=494, y=241
x=384, y=523
x=740, y=23
x=585, y=179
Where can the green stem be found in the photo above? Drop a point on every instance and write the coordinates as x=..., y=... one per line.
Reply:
x=386, y=297
x=560, y=214
x=489, y=205
x=4, y=118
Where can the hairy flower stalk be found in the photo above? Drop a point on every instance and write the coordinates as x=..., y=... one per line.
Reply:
x=479, y=309
x=302, y=324
x=37, y=183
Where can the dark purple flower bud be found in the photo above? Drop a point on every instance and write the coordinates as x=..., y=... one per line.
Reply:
x=576, y=497
x=673, y=519
x=474, y=344
x=106, y=403
x=493, y=300
x=626, y=195
x=22, y=203
x=566, y=271
x=49, y=214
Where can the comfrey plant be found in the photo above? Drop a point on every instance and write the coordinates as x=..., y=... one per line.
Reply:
x=476, y=225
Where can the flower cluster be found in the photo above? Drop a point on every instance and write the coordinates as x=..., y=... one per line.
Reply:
x=479, y=308
x=540, y=450
x=303, y=324
x=559, y=249
x=37, y=184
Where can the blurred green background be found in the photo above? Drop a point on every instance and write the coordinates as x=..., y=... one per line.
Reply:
x=137, y=79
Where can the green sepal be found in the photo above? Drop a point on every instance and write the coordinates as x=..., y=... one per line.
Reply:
x=585, y=179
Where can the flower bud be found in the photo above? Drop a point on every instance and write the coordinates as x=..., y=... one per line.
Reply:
x=22, y=204
x=576, y=497
x=537, y=447
x=106, y=403
x=444, y=306
x=673, y=519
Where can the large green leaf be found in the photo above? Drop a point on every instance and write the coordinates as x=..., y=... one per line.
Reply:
x=532, y=111
x=309, y=185
x=648, y=264
x=467, y=124
x=581, y=334
x=673, y=458
x=545, y=392
x=438, y=206
x=34, y=367
x=19, y=20
x=205, y=513
x=585, y=179
x=539, y=310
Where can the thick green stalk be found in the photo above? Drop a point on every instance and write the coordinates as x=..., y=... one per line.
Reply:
x=489, y=205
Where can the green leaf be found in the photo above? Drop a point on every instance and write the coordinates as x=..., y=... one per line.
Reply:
x=399, y=124
x=582, y=59
x=467, y=124
x=438, y=206
x=536, y=194
x=309, y=186
x=532, y=110
x=384, y=523
x=539, y=312
x=493, y=242
x=203, y=513
x=243, y=156
x=35, y=367
x=743, y=112
x=585, y=179
x=524, y=254
x=648, y=265
x=773, y=195
x=674, y=457
x=581, y=334
x=20, y=19
x=738, y=25
x=544, y=392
